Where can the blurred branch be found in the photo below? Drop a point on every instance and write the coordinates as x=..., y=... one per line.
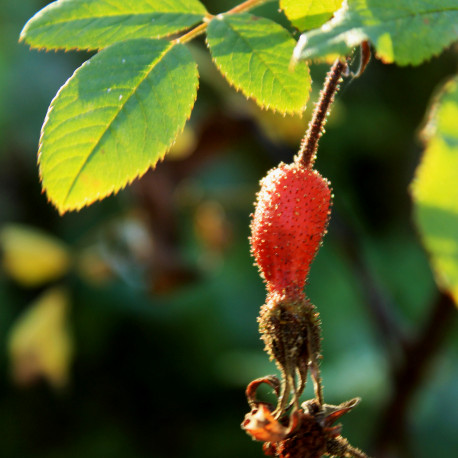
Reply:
x=378, y=303
x=410, y=358
x=407, y=379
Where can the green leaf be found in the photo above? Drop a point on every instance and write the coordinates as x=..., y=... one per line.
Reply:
x=114, y=118
x=309, y=14
x=254, y=54
x=435, y=190
x=95, y=24
x=402, y=31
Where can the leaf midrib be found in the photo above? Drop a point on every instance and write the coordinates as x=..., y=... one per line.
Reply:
x=108, y=125
x=127, y=15
x=258, y=54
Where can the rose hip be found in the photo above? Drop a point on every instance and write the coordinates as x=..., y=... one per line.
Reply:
x=289, y=222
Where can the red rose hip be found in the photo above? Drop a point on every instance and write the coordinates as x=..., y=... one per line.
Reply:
x=289, y=222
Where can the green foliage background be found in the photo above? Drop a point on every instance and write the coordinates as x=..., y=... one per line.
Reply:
x=160, y=370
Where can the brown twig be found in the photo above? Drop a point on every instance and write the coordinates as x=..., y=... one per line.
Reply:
x=307, y=152
x=201, y=28
x=379, y=304
x=418, y=358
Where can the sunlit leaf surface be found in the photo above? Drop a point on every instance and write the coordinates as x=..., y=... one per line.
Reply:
x=94, y=24
x=435, y=190
x=114, y=118
x=254, y=54
x=309, y=14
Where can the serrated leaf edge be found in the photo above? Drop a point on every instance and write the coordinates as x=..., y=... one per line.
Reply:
x=23, y=38
x=62, y=208
x=251, y=96
x=282, y=8
x=299, y=51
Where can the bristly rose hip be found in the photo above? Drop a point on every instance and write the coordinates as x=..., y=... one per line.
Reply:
x=289, y=222
x=290, y=219
x=288, y=225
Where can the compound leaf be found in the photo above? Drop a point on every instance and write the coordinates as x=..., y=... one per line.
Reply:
x=95, y=24
x=114, y=118
x=435, y=190
x=254, y=54
x=402, y=31
x=309, y=14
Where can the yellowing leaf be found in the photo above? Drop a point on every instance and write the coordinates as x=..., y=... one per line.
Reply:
x=115, y=118
x=32, y=257
x=309, y=14
x=435, y=190
x=39, y=343
x=95, y=24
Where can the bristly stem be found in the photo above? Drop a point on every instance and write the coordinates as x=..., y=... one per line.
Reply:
x=307, y=153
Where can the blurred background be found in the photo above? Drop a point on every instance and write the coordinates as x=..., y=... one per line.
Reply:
x=129, y=329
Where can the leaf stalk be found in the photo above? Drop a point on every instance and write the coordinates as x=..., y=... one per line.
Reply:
x=309, y=146
x=200, y=29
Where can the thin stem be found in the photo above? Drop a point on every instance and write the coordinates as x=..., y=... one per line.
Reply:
x=355, y=452
x=316, y=378
x=307, y=153
x=200, y=29
x=195, y=32
x=245, y=6
x=283, y=399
